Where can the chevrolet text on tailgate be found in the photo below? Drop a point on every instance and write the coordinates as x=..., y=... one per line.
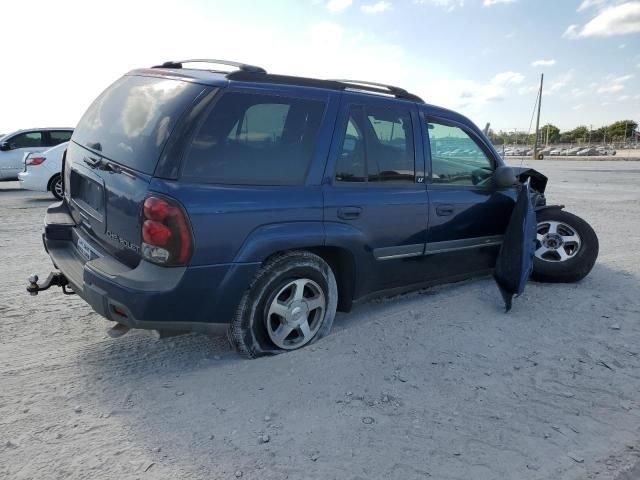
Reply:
x=201, y=200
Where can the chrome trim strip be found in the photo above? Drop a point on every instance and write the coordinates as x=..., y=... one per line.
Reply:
x=463, y=244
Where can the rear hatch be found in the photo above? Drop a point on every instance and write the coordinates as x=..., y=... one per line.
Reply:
x=112, y=157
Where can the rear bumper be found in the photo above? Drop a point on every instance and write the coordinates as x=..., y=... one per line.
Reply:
x=194, y=298
x=29, y=181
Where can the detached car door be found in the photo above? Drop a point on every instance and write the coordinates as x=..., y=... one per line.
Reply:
x=375, y=200
x=12, y=160
x=468, y=213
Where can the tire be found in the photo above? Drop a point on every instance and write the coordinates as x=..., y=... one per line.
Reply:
x=581, y=251
x=55, y=187
x=255, y=328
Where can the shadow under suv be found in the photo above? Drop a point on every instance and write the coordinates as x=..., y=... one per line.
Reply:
x=197, y=200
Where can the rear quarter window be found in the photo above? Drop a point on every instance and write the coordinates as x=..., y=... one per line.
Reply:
x=255, y=139
x=133, y=118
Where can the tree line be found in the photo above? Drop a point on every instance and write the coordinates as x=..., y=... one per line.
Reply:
x=620, y=131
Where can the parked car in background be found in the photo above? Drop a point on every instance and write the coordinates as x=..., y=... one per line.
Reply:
x=42, y=171
x=14, y=146
x=587, y=152
x=196, y=200
x=605, y=151
x=572, y=152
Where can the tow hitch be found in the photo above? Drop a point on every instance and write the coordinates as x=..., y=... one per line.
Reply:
x=54, y=279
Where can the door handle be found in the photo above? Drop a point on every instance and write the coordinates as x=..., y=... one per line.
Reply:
x=349, y=213
x=444, y=210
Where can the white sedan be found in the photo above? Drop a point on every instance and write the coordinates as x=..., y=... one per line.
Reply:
x=42, y=171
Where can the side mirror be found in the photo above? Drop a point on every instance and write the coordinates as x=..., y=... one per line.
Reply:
x=4, y=146
x=504, y=177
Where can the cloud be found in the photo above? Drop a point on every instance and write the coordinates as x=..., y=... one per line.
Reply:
x=562, y=81
x=621, y=79
x=543, y=63
x=377, y=7
x=610, y=88
x=572, y=31
x=598, y=4
x=619, y=19
x=489, y=3
x=578, y=92
x=336, y=6
x=507, y=78
x=449, y=5
x=580, y=106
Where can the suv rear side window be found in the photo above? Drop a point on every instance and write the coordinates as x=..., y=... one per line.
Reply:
x=255, y=139
x=377, y=147
x=56, y=137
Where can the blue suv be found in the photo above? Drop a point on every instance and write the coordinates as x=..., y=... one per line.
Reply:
x=200, y=200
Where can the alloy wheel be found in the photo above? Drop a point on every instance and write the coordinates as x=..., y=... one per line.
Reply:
x=296, y=313
x=556, y=241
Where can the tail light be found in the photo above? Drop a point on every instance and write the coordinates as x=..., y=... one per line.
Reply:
x=35, y=160
x=166, y=232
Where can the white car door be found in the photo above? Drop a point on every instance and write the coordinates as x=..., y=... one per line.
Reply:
x=11, y=160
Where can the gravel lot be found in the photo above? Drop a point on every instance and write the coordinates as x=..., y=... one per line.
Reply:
x=438, y=384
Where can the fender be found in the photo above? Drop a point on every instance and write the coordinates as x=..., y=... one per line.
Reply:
x=548, y=207
x=276, y=237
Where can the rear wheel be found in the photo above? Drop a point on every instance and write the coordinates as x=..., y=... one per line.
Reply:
x=566, y=247
x=290, y=304
x=55, y=187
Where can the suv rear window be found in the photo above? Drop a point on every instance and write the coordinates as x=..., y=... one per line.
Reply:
x=132, y=119
x=255, y=139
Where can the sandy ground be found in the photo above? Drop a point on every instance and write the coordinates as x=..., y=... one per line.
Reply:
x=438, y=384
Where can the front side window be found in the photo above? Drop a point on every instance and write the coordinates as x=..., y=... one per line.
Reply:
x=456, y=159
x=377, y=146
x=254, y=139
x=26, y=140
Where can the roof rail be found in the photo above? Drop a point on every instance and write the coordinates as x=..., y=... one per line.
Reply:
x=240, y=66
x=379, y=88
x=245, y=76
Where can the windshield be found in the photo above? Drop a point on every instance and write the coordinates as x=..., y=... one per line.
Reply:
x=133, y=118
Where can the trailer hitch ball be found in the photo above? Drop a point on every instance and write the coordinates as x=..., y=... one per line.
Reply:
x=33, y=284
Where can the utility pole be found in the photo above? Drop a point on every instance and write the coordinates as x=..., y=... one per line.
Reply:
x=535, y=146
x=547, y=142
x=590, y=130
x=625, y=132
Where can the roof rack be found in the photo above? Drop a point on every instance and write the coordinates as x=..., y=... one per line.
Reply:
x=372, y=87
x=390, y=89
x=240, y=66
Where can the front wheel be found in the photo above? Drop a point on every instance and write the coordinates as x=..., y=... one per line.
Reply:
x=566, y=247
x=291, y=303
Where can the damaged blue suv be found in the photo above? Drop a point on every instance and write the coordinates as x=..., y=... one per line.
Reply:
x=199, y=200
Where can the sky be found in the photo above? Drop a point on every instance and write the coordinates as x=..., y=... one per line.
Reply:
x=482, y=58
